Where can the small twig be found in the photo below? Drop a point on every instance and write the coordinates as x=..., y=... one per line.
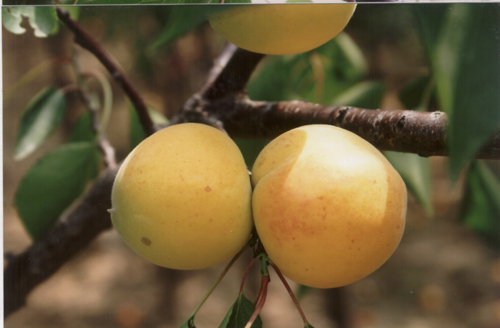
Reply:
x=219, y=279
x=260, y=305
x=245, y=274
x=86, y=41
x=73, y=87
x=290, y=292
x=98, y=123
x=264, y=262
x=109, y=153
x=233, y=78
x=220, y=63
x=228, y=78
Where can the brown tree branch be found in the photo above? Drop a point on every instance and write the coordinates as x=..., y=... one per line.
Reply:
x=422, y=133
x=223, y=103
x=234, y=77
x=397, y=130
x=87, y=41
x=27, y=270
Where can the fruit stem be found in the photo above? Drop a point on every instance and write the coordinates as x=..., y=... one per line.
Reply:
x=259, y=292
x=219, y=279
x=260, y=305
x=290, y=292
x=246, y=273
x=262, y=294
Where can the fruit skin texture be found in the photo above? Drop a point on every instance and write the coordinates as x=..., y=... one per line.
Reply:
x=328, y=207
x=182, y=198
x=282, y=29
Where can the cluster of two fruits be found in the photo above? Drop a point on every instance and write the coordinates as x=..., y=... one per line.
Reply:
x=327, y=206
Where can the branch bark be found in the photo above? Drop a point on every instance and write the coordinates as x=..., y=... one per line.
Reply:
x=422, y=133
x=223, y=101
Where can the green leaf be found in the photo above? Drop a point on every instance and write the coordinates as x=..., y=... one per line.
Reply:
x=182, y=19
x=250, y=148
x=44, y=21
x=366, y=94
x=417, y=93
x=428, y=21
x=302, y=291
x=338, y=64
x=480, y=208
x=189, y=323
x=53, y=183
x=26, y=2
x=467, y=68
x=137, y=133
x=239, y=314
x=83, y=131
x=111, y=2
x=416, y=173
x=342, y=65
x=117, y=2
x=12, y=19
x=39, y=120
x=74, y=11
x=270, y=83
x=346, y=58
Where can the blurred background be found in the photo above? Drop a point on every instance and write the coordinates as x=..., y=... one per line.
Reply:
x=442, y=275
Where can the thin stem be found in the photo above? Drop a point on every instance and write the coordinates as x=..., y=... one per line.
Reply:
x=259, y=292
x=84, y=90
x=108, y=152
x=245, y=274
x=107, y=105
x=70, y=88
x=98, y=124
x=290, y=292
x=219, y=63
x=260, y=305
x=264, y=262
x=221, y=276
x=33, y=74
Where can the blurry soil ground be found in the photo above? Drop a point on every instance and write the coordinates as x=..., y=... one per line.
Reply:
x=441, y=276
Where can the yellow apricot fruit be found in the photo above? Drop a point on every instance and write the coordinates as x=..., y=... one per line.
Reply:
x=182, y=198
x=282, y=29
x=328, y=206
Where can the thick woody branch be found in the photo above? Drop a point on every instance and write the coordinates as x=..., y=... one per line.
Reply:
x=87, y=41
x=223, y=103
x=235, y=75
x=423, y=133
x=25, y=271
